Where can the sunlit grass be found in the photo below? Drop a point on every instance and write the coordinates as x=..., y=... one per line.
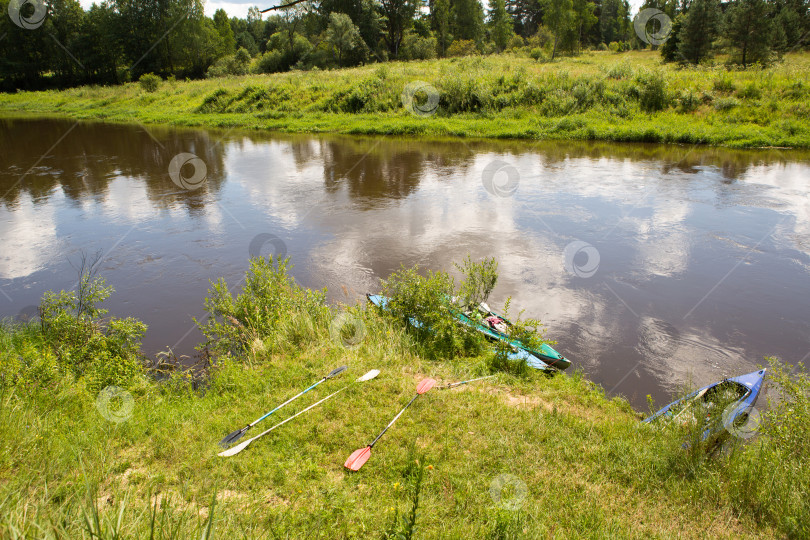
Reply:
x=593, y=96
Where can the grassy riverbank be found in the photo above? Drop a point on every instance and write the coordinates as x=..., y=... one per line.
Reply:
x=596, y=96
x=72, y=464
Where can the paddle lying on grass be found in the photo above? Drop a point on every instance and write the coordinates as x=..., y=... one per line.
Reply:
x=236, y=435
x=239, y=447
x=453, y=385
x=360, y=456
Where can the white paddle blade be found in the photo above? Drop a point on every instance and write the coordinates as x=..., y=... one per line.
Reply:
x=368, y=376
x=236, y=449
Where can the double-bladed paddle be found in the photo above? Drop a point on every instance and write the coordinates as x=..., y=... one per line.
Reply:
x=360, y=456
x=236, y=435
x=239, y=447
x=453, y=385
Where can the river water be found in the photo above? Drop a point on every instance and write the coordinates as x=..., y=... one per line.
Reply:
x=650, y=265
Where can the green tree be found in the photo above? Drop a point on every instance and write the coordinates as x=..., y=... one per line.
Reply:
x=749, y=29
x=698, y=31
x=584, y=19
x=223, y=26
x=342, y=35
x=558, y=17
x=500, y=24
x=440, y=13
x=468, y=20
x=397, y=18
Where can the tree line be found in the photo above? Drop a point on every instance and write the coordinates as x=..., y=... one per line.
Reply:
x=116, y=41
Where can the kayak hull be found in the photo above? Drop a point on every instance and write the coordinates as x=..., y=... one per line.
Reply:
x=518, y=354
x=547, y=354
x=749, y=385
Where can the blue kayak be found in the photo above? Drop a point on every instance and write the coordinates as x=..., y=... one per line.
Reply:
x=516, y=354
x=745, y=387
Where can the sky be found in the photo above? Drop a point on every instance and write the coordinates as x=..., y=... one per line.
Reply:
x=240, y=9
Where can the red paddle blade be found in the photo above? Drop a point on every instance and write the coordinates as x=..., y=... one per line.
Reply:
x=425, y=385
x=358, y=459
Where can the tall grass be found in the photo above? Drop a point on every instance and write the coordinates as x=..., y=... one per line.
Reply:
x=621, y=97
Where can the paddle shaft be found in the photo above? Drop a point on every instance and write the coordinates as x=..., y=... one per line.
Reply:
x=286, y=402
x=392, y=421
x=453, y=385
x=301, y=412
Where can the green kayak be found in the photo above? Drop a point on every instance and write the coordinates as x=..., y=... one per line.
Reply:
x=546, y=353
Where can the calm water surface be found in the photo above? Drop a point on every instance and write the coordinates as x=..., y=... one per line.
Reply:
x=650, y=265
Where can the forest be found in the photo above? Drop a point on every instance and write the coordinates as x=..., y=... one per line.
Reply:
x=58, y=44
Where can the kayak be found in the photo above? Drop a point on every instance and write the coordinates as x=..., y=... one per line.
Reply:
x=745, y=388
x=546, y=353
x=517, y=353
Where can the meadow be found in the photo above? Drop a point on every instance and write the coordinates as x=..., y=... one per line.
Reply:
x=608, y=96
x=524, y=454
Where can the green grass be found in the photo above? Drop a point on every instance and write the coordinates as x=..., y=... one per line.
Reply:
x=597, y=96
x=589, y=468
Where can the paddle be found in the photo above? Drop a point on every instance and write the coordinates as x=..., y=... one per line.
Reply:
x=360, y=456
x=236, y=435
x=691, y=402
x=453, y=385
x=239, y=447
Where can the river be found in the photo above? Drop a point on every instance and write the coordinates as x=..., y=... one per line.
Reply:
x=650, y=265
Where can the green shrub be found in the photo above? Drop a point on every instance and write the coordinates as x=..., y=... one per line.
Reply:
x=751, y=91
x=515, y=42
x=688, y=102
x=724, y=84
x=149, y=82
x=462, y=47
x=652, y=91
x=726, y=104
x=233, y=65
x=271, y=314
x=537, y=54
x=415, y=47
x=614, y=47
x=622, y=70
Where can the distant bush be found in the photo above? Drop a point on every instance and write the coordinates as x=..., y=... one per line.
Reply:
x=269, y=62
x=751, y=91
x=602, y=47
x=622, y=70
x=688, y=102
x=415, y=47
x=462, y=47
x=726, y=104
x=724, y=84
x=614, y=47
x=149, y=82
x=537, y=54
x=515, y=42
x=233, y=65
x=652, y=91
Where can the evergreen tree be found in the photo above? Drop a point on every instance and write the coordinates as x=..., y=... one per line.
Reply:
x=500, y=24
x=468, y=20
x=749, y=30
x=440, y=13
x=698, y=31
